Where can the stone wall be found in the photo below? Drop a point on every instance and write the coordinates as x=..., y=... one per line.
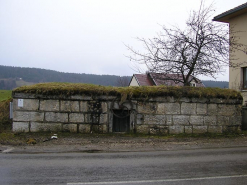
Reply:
x=161, y=115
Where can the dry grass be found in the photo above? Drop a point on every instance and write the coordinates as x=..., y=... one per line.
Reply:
x=67, y=89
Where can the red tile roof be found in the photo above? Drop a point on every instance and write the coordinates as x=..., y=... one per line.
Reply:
x=151, y=79
x=143, y=80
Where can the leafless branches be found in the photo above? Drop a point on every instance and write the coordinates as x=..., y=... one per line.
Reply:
x=202, y=48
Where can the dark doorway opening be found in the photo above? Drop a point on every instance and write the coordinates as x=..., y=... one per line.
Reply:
x=121, y=121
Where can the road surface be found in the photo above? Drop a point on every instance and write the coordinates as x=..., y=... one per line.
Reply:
x=199, y=166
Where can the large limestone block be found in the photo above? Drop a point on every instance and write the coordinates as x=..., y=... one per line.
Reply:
x=28, y=116
x=215, y=129
x=70, y=128
x=69, y=106
x=168, y=108
x=76, y=117
x=200, y=129
x=201, y=108
x=188, y=108
x=146, y=108
x=154, y=119
x=176, y=129
x=28, y=104
x=142, y=129
x=20, y=127
x=223, y=120
x=45, y=127
x=83, y=106
x=212, y=109
x=56, y=117
x=49, y=105
x=181, y=120
x=226, y=110
x=210, y=120
x=196, y=120
x=85, y=128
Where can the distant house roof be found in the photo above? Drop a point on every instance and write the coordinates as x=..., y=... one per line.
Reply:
x=156, y=79
x=143, y=80
x=224, y=17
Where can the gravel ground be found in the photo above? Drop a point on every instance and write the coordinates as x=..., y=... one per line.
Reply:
x=113, y=143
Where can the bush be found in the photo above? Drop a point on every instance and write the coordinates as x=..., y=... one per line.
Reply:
x=5, y=121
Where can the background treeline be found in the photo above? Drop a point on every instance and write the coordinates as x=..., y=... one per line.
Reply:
x=12, y=77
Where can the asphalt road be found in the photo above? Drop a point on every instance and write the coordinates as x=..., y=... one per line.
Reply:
x=201, y=166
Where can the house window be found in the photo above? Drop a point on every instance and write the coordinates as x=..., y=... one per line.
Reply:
x=244, y=77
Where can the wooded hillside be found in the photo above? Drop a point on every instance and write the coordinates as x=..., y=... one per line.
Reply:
x=12, y=77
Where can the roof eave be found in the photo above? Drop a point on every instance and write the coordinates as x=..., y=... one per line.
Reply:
x=226, y=16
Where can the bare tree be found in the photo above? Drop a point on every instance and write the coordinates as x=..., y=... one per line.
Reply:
x=123, y=81
x=202, y=48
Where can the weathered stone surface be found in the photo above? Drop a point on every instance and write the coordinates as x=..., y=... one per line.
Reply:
x=235, y=120
x=231, y=128
x=104, y=129
x=20, y=127
x=28, y=116
x=45, y=127
x=200, y=129
x=163, y=129
x=142, y=129
x=215, y=129
x=92, y=118
x=188, y=108
x=196, y=120
x=181, y=120
x=185, y=99
x=81, y=97
x=49, y=105
x=103, y=118
x=154, y=119
x=222, y=120
x=212, y=109
x=28, y=104
x=85, y=128
x=70, y=128
x=188, y=129
x=226, y=110
x=160, y=108
x=200, y=100
x=210, y=120
x=83, y=106
x=76, y=118
x=69, y=106
x=104, y=107
x=146, y=108
x=201, y=108
x=139, y=119
x=56, y=117
x=172, y=108
x=176, y=129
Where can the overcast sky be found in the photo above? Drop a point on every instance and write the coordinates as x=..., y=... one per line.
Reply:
x=87, y=36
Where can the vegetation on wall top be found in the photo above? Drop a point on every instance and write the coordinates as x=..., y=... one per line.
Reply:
x=67, y=89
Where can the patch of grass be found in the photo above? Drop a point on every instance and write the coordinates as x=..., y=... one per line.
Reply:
x=5, y=95
x=68, y=89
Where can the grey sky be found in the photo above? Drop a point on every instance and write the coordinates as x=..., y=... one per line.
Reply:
x=87, y=36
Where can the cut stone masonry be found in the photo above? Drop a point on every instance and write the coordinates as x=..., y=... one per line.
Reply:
x=159, y=115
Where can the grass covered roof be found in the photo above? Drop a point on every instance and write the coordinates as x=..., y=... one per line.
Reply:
x=69, y=89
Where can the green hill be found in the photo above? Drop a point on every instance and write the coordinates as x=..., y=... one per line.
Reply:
x=12, y=77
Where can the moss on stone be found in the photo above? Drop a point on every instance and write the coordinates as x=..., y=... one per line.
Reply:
x=68, y=89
